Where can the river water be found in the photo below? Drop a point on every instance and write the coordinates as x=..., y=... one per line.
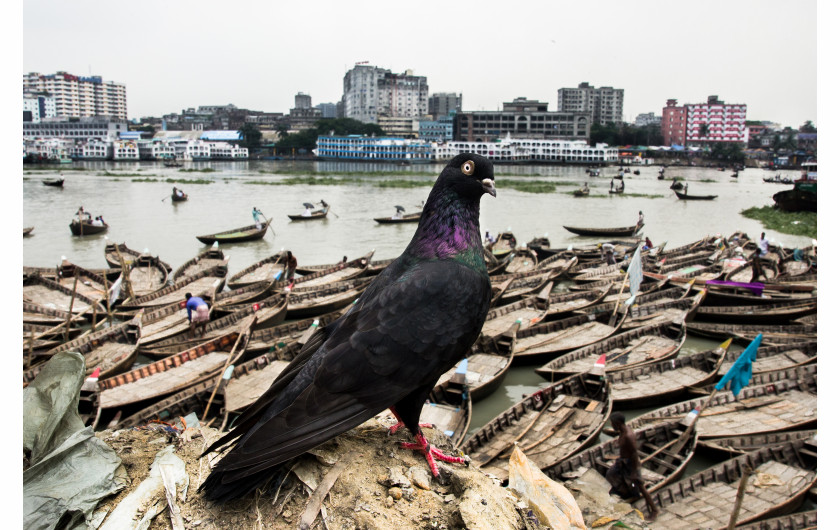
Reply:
x=133, y=198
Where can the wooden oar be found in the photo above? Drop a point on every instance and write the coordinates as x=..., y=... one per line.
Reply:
x=268, y=224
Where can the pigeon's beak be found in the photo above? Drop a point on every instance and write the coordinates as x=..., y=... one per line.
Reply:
x=489, y=186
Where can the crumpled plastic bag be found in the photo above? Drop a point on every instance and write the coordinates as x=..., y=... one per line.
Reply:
x=550, y=501
x=71, y=470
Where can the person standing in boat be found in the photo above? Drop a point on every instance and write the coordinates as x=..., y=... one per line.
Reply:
x=763, y=245
x=625, y=475
x=202, y=313
x=641, y=220
x=256, y=214
x=289, y=272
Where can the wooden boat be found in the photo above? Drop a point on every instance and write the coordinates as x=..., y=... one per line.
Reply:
x=449, y=407
x=505, y=244
x=549, y=426
x=162, y=322
x=563, y=304
x=488, y=364
x=39, y=338
x=113, y=252
x=496, y=266
x=38, y=314
x=546, y=341
x=522, y=285
x=212, y=257
x=264, y=270
x=778, y=313
x=661, y=465
x=253, y=292
x=236, y=235
x=171, y=374
x=783, y=405
x=407, y=218
x=340, y=272
x=252, y=378
x=783, y=475
x=621, y=231
x=90, y=284
x=777, y=357
x=274, y=337
x=654, y=308
x=87, y=228
x=179, y=198
x=524, y=259
x=27, y=230
x=793, y=521
x=202, y=282
x=745, y=333
x=720, y=293
x=600, y=273
x=528, y=312
x=686, y=197
x=305, y=303
x=582, y=192
x=738, y=445
x=53, y=295
x=588, y=254
x=269, y=312
x=561, y=262
x=377, y=266
x=55, y=183
x=630, y=349
x=112, y=350
x=146, y=274
x=659, y=383
x=192, y=399
x=316, y=214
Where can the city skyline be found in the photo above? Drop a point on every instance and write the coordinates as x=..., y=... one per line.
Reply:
x=762, y=54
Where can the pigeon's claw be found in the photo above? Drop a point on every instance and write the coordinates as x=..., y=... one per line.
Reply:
x=395, y=427
x=431, y=452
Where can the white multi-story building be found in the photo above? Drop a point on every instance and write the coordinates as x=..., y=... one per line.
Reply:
x=77, y=96
x=126, y=150
x=84, y=128
x=226, y=151
x=371, y=92
x=532, y=150
x=92, y=149
x=37, y=107
x=605, y=104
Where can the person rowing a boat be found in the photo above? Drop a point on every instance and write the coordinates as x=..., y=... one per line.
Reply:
x=177, y=192
x=256, y=214
x=202, y=313
x=625, y=476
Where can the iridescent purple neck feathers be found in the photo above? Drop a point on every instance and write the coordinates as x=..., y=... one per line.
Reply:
x=448, y=228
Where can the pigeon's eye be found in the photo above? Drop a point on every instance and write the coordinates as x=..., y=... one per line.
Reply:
x=468, y=167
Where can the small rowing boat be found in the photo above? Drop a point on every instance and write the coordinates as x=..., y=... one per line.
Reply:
x=237, y=235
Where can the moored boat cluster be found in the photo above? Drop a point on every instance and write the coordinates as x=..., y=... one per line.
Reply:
x=562, y=311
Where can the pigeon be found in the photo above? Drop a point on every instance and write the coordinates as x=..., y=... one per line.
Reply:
x=415, y=321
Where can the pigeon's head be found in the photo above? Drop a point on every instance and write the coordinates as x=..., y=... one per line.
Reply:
x=469, y=175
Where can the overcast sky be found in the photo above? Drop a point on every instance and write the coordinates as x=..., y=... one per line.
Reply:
x=172, y=55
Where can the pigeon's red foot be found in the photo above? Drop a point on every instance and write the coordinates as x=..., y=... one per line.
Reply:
x=432, y=453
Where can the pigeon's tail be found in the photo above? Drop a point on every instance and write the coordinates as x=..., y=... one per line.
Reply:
x=220, y=488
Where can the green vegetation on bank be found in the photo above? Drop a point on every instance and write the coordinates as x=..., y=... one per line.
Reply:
x=202, y=170
x=172, y=181
x=109, y=174
x=793, y=223
x=337, y=181
x=312, y=173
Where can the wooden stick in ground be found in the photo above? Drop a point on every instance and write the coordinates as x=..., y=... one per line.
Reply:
x=125, y=272
x=313, y=506
x=70, y=310
x=246, y=333
x=618, y=299
x=746, y=471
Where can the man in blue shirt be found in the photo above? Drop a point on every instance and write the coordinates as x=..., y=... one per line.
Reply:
x=202, y=313
x=256, y=213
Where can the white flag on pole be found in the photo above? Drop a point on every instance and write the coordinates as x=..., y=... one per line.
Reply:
x=634, y=275
x=115, y=290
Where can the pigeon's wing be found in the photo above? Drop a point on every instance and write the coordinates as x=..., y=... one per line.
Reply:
x=401, y=337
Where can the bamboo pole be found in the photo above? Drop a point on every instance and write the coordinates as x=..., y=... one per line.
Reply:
x=746, y=471
x=246, y=333
x=70, y=310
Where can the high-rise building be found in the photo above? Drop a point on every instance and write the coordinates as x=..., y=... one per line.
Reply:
x=77, y=96
x=303, y=101
x=328, y=110
x=673, y=124
x=37, y=108
x=442, y=103
x=371, y=92
x=605, y=105
x=696, y=124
